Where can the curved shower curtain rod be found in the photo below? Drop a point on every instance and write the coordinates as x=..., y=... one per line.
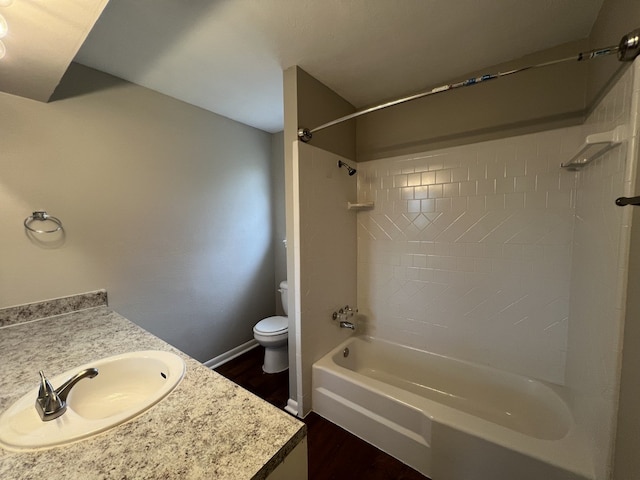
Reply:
x=628, y=49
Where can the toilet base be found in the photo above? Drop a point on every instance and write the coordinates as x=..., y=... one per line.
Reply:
x=276, y=360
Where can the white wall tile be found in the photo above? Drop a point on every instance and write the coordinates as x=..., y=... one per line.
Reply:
x=488, y=212
x=598, y=281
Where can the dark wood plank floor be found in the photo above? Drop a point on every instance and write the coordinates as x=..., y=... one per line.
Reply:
x=334, y=453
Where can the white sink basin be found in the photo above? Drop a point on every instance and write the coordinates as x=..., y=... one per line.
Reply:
x=126, y=386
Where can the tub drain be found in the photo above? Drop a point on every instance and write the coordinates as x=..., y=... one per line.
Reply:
x=345, y=353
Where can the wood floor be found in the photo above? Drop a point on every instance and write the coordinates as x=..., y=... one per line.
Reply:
x=334, y=453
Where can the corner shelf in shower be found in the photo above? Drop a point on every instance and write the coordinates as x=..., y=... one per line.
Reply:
x=594, y=146
x=360, y=206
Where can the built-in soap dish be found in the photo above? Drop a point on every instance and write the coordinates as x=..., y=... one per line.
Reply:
x=596, y=145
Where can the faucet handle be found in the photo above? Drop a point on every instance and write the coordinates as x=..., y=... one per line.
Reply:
x=344, y=313
x=45, y=390
x=349, y=311
x=48, y=402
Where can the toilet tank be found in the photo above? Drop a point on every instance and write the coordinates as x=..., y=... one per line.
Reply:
x=284, y=296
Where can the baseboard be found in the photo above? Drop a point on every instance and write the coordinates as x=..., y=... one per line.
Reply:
x=231, y=354
x=292, y=407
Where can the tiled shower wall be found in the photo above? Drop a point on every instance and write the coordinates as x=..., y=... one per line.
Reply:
x=600, y=261
x=467, y=251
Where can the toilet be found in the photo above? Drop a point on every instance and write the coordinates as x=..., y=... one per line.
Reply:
x=273, y=334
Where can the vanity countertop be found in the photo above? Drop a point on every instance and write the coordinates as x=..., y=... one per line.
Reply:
x=208, y=427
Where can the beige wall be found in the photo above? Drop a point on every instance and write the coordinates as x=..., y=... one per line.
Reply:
x=535, y=100
x=307, y=103
x=165, y=205
x=328, y=258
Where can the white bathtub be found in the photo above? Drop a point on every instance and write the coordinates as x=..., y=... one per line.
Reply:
x=449, y=419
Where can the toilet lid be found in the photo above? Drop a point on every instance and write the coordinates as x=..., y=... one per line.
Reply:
x=272, y=325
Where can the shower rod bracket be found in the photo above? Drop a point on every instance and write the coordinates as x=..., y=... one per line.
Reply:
x=305, y=135
x=629, y=46
x=627, y=50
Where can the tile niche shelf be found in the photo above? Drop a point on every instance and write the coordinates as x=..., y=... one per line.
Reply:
x=594, y=146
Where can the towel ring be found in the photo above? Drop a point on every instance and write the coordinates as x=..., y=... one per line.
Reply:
x=42, y=216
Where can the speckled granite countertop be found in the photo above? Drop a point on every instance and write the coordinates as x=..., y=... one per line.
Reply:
x=207, y=428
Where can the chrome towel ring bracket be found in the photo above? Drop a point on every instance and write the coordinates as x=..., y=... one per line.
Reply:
x=42, y=216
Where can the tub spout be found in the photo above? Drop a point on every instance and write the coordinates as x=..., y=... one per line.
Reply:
x=349, y=325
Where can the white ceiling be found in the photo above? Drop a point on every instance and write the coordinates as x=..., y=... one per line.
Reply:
x=227, y=56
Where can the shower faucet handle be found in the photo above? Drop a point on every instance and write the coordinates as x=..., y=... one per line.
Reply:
x=344, y=313
x=349, y=311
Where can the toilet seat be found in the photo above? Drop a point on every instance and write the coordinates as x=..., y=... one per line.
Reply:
x=272, y=326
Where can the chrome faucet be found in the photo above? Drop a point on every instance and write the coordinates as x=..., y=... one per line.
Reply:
x=51, y=403
x=343, y=315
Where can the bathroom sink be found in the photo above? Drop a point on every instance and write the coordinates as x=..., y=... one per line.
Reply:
x=126, y=386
